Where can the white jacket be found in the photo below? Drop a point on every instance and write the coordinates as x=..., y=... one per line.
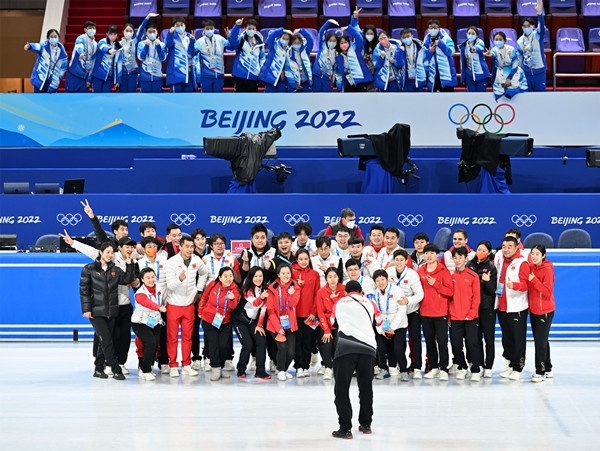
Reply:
x=382, y=260
x=333, y=261
x=368, y=286
x=214, y=265
x=141, y=313
x=159, y=267
x=516, y=301
x=409, y=283
x=182, y=293
x=390, y=310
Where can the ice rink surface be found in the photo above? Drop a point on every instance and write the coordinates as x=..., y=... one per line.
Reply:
x=49, y=401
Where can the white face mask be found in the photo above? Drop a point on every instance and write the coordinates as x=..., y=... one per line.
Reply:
x=350, y=224
x=128, y=34
x=370, y=37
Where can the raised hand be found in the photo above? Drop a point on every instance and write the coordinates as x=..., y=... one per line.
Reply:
x=27, y=46
x=239, y=22
x=356, y=12
x=66, y=237
x=182, y=276
x=485, y=277
x=152, y=15
x=539, y=7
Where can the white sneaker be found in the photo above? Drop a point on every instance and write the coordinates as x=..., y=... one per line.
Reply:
x=537, y=378
x=417, y=374
x=301, y=372
x=404, y=377
x=314, y=359
x=281, y=376
x=328, y=374
x=506, y=364
x=189, y=371
x=376, y=370
x=108, y=371
x=506, y=373
x=435, y=372
x=288, y=376
x=394, y=371
x=453, y=369
x=476, y=377
x=216, y=374
x=148, y=376
x=229, y=365
x=487, y=373
x=383, y=374
x=515, y=376
x=252, y=364
x=461, y=375
x=225, y=375
x=272, y=366
x=443, y=376
x=549, y=375
x=164, y=369
x=197, y=365
x=207, y=367
x=174, y=372
x=124, y=370
x=321, y=371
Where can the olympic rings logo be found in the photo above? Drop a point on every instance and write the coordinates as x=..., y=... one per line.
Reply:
x=68, y=219
x=524, y=220
x=183, y=218
x=293, y=219
x=410, y=220
x=488, y=115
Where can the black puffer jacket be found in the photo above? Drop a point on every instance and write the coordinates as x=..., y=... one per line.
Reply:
x=98, y=288
x=488, y=289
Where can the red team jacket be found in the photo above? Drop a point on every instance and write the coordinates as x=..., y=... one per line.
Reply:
x=541, y=288
x=467, y=295
x=208, y=304
x=306, y=306
x=436, y=297
x=325, y=305
x=273, y=309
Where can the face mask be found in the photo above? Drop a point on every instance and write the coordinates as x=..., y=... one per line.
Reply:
x=499, y=44
x=344, y=46
x=434, y=32
x=284, y=42
x=482, y=255
x=128, y=34
x=350, y=224
x=331, y=45
x=528, y=31
x=152, y=36
x=250, y=33
x=151, y=252
x=209, y=33
x=471, y=37
x=91, y=32
x=297, y=46
x=179, y=30
x=53, y=41
x=369, y=37
x=407, y=41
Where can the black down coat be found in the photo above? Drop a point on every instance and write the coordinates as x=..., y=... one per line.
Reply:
x=98, y=288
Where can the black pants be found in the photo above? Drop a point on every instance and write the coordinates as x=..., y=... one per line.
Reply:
x=243, y=85
x=327, y=350
x=163, y=357
x=516, y=327
x=468, y=331
x=305, y=338
x=251, y=341
x=503, y=321
x=343, y=369
x=150, y=337
x=196, y=336
x=122, y=332
x=487, y=332
x=218, y=342
x=105, y=348
x=414, y=337
x=540, y=326
x=285, y=350
x=435, y=330
x=230, y=353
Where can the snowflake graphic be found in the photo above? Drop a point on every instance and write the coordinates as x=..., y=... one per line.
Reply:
x=21, y=128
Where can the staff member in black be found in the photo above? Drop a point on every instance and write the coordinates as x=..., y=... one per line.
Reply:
x=98, y=288
x=355, y=318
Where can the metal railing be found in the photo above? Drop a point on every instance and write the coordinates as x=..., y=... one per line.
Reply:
x=556, y=75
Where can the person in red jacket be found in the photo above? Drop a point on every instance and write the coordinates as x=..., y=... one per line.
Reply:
x=542, y=307
x=464, y=313
x=326, y=299
x=437, y=288
x=307, y=278
x=218, y=300
x=282, y=300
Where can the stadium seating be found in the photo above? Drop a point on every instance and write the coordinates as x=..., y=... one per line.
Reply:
x=574, y=238
x=563, y=14
x=338, y=10
x=538, y=238
x=176, y=8
x=442, y=238
x=570, y=40
x=434, y=9
x=466, y=13
x=402, y=14
x=498, y=13
x=305, y=14
x=396, y=33
x=272, y=13
x=511, y=36
x=372, y=11
x=590, y=12
x=48, y=240
x=461, y=35
x=239, y=9
x=139, y=9
x=208, y=9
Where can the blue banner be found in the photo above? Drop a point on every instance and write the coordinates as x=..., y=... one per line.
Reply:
x=484, y=216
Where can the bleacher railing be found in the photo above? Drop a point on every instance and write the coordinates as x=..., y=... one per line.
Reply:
x=556, y=74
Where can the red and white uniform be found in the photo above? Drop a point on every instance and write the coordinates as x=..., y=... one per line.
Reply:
x=517, y=270
x=436, y=296
x=333, y=261
x=215, y=299
x=214, y=264
x=467, y=295
x=410, y=284
x=255, y=306
x=391, y=311
x=447, y=258
x=147, y=302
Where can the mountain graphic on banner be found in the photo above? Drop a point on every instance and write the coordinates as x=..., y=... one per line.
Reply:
x=119, y=134
x=14, y=139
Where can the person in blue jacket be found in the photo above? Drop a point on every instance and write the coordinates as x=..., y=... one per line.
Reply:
x=509, y=78
x=79, y=74
x=108, y=64
x=411, y=61
x=130, y=72
x=530, y=50
x=475, y=71
x=351, y=66
x=387, y=60
x=181, y=76
x=151, y=52
x=439, y=51
x=324, y=70
x=279, y=73
x=51, y=63
x=302, y=44
x=249, y=57
x=211, y=50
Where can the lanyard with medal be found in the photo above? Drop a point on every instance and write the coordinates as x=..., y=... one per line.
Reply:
x=284, y=319
x=386, y=323
x=218, y=319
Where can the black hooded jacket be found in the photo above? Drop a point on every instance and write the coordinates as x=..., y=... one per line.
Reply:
x=98, y=288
